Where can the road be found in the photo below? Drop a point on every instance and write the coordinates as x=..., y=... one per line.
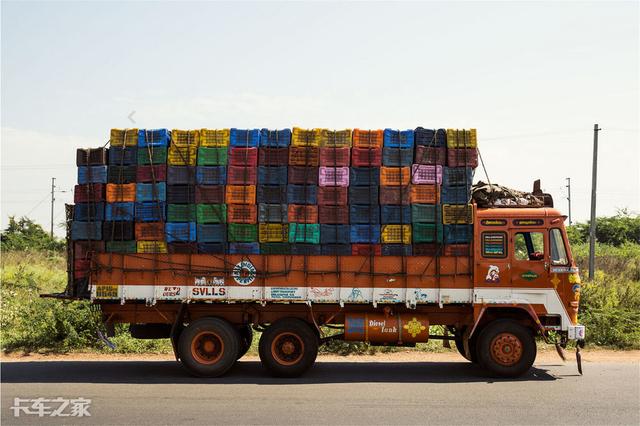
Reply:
x=159, y=392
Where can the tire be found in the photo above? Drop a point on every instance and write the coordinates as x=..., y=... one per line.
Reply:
x=506, y=348
x=209, y=347
x=246, y=338
x=460, y=342
x=288, y=347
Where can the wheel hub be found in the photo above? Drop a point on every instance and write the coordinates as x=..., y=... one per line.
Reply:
x=207, y=347
x=506, y=349
x=287, y=348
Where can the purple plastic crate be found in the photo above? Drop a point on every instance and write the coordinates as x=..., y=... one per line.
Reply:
x=422, y=173
x=333, y=176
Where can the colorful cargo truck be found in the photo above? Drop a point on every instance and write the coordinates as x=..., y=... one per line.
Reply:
x=372, y=252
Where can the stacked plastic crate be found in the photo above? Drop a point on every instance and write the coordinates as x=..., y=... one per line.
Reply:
x=365, y=192
x=333, y=186
x=302, y=192
x=429, y=159
x=457, y=211
x=242, y=178
x=397, y=159
x=273, y=160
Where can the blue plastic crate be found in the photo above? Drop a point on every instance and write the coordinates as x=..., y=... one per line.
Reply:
x=244, y=248
x=395, y=215
x=368, y=234
x=180, y=232
x=334, y=234
x=306, y=249
x=92, y=174
x=211, y=233
x=244, y=137
x=86, y=230
x=212, y=248
x=363, y=195
x=458, y=234
x=88, y=211
x=398, y=138
x=151, y=192
x=153, y=211
x=275, y=138
x=430, y=137
x=457, y=176
x=336, y=250
x=119, y=211
x=270, y=175
x=397, y=250
x=364, y=214
x=211, y=175
x=272, y=194
x=123, y=156
x=397, y=157
x=153, y=137
x=302, y=194
x=455, y=194
x=364, y=176
x=181, y=175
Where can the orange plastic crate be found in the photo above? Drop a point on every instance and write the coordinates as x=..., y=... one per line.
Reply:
x=367, y=138
x=240, y=194
x=424, y=194
x=242, y=213
x=299, y=213
x=149, y=231
x=395, y=176
x=120, y=193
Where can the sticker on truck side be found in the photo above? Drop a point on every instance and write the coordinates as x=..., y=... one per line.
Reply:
x=106, y=291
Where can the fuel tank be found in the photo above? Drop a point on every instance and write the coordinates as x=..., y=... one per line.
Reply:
x=386, y=328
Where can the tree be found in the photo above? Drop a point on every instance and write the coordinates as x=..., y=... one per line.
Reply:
x=25, y=234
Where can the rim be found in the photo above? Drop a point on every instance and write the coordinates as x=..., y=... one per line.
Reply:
x=506, y=349
x=207, y=347
x=287, y=348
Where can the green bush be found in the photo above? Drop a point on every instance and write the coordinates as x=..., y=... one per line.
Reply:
x=24, y=234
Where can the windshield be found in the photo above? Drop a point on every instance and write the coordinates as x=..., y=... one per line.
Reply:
x=558, y=249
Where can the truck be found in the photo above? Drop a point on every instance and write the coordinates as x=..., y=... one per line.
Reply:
x=516, y=282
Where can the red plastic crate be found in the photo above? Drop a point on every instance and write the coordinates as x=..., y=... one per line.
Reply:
x=156, y=173
x=298, y=213
x=395, y=195
x=366, y=249
x=242, y=213
x=335, y=157
x=89, y=193
x=304, y=156
x=333, y=195
x=333, y=215
x=430, y=155
x=303, y=175
x=243, y=156
x=81, y=268
x=273, y=156
x=210, y=194
x=150, y=231
x=366, y=157
x=241, y=175
x=462, y=157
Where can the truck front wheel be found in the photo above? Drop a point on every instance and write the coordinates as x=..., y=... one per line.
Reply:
x=209, y=347
x=506, y=348
x=288, y=347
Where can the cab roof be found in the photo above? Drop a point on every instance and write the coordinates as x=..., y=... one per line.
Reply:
x=519, y=212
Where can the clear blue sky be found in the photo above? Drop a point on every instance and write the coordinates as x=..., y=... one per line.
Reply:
x=532, y=77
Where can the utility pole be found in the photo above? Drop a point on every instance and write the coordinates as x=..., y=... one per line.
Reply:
x=53, y=200
x=569, y=197
x=592, y=224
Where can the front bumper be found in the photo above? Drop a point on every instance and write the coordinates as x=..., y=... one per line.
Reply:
x=576, y=332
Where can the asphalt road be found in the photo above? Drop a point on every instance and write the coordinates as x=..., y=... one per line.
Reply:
x=159, y=392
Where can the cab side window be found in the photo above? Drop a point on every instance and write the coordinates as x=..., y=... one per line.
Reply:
x=558, y=250
x=529, y=246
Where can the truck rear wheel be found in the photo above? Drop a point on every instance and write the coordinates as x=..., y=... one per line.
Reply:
x=506, y=348
x=461, y=340
x=246, y=338
x=288, y=347
x=209, y=347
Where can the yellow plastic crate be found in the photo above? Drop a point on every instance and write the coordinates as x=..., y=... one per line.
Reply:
x=185, y=137
x=123, y=137
x=273, y=233
x=462, y=138
x=214, y=138
x=457, y=214
x=396, y=234
x=182, y=155
x=333, y=138
x=303, y=137
x=151, y=247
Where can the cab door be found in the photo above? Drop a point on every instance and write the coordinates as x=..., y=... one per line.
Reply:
x=529, y=256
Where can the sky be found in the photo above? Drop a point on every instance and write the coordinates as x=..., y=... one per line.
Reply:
x=532, y=77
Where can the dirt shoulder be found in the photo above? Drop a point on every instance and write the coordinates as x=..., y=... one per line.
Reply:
x=544, y=355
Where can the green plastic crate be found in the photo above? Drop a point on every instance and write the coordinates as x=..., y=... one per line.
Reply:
x=212, y=156
x=121, y=246
x=155, y=155
x=181, y=213
x=211, y=213
x=304, y=233
x=242, y=233
x=425, y=213
x=275, y=248
x=427, y=233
